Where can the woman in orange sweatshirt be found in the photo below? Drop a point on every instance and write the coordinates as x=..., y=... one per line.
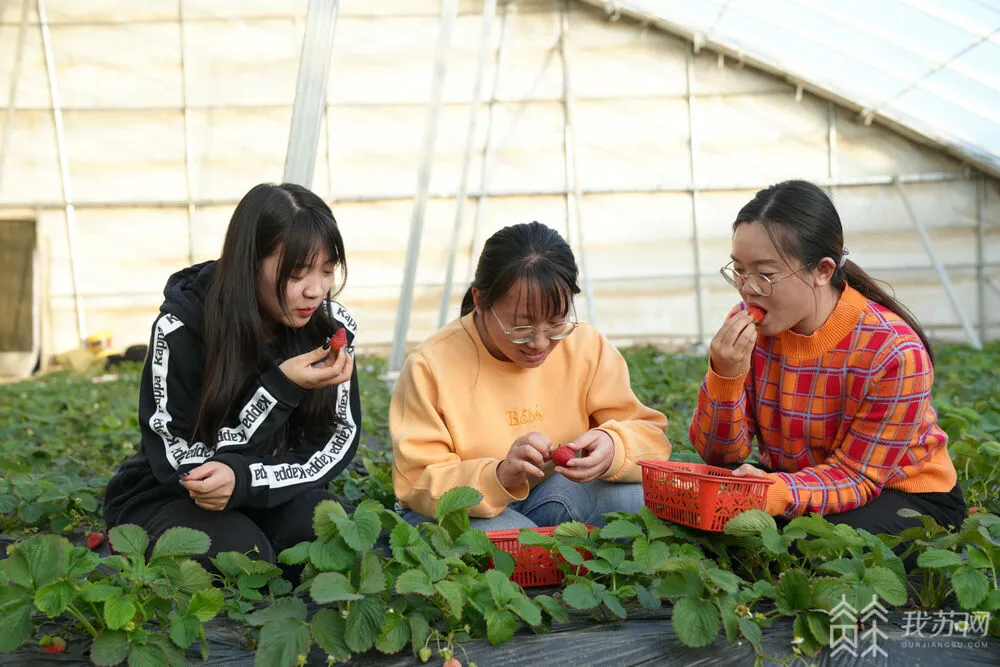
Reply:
x=485, y=401
x=834, y=381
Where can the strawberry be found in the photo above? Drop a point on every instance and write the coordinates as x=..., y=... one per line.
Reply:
x=563, y=455
x=338, y=340
x=757, y=313
x=55, y=645
x=452, y=662
x=95, y=540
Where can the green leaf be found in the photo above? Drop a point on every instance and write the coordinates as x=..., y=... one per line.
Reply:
x=81, y=561
x=284, y=608
x=570, y=529
x=581, y=596
x=696, y=622
x=533, y=538
x=551, y=607
x=325, y=518
x=165, y=650
x=793, y=592
x=774, y=542
x=647, y=599
x=332, y=555
x=184, y=628
x=750, y=523
x=612, y=603
x=619, y=528
x=181, y=541
x=819, y=627
x=452, y=592
x=751, y=631
x=526, y=609
x=938, y=558
x=281, y=643
x=52, y=599
x=394, y=635
x=362, y=532
x=330, y=587
x=505, y=563
x=500, y=625
x=459, y=498
x=193, y=577
x=328, y=629
x=15, y=623
x=295, y=555
x=977, y=559
x=852, y=568
x=727, y=581
x=477, y=541
x=419, y=630
x=118, y=611
x=206, y=604
x=414, y=581
x=364, y=624
x=44, y=557
x=570, y=555
x=677, y=584
x=885, y=582
x=99, y=592
x=128, y=539
x=971, y=586
x=372, y=577
x=110, y=648
x=500, y=587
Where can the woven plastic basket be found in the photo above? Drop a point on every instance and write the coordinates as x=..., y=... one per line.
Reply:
x=699, y=495
x=533, y=565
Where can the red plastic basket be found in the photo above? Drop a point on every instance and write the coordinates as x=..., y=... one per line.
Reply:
x=699, y=495
x=533, y=565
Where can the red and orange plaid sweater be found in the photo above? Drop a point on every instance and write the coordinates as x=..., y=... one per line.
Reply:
x=839, y=415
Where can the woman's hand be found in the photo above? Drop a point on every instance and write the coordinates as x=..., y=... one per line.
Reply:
x=732, y=346
x=598, y=449
x=747, y=470
x=525, y=457
x=210, y=485
x=319, y=368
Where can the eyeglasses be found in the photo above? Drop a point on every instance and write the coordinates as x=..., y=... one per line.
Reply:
x=759, y=283
x=522, y=335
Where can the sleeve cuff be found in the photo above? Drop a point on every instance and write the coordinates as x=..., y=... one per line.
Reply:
x=617, y=466
x=722, y=388
x=241, y=487
x=283, y=389
x=779, y=496
x=496, y=494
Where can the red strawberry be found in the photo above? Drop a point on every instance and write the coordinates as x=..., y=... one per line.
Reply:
x=95, y=540
x=563, y=455
x=452, y=662
x=338, y=340
x=757, y=313
x=56, y=645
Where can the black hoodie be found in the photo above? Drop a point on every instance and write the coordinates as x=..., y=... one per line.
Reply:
x=169, y=394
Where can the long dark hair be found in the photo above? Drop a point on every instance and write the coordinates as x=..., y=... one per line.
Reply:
x=237, y=347
x=803, y=223
x=533, y=253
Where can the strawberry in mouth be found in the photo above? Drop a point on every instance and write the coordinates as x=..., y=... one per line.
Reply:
x=757, y=313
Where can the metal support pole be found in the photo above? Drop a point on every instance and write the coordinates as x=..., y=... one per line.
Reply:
x=188, y=158
x=831, y=145
x=981, y=254
x=573, y=195
x=693, y=154
x=449, y=10
x=310, y=92
x=14, y=76
x=993, y=285
x=486, y=30
x=970, y=332
x=67, y=183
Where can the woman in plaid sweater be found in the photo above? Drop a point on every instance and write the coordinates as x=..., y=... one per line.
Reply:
x=834, y=381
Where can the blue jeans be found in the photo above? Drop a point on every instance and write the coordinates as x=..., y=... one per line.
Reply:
x=558, y=500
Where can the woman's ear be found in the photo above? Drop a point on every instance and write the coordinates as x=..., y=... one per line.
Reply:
x=476, y=296
x=823, y=273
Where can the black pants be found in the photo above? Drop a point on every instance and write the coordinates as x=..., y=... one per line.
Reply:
x=269, y=531
x=880, y=514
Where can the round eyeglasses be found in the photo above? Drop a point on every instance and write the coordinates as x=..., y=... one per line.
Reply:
x=522, y=335
x=759, y=284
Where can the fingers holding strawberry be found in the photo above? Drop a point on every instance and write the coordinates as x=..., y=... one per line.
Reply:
x=323, y=367
x=732, y=346
x=524, y=459
x=596, y=450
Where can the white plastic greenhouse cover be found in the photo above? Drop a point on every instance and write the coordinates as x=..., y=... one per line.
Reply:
x=932, y=66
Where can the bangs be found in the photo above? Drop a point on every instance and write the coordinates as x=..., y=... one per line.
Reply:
x=546, y=294
x=309, y=232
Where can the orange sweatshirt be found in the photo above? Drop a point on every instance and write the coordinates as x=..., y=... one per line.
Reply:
x=839, y=415
x=456, y=410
